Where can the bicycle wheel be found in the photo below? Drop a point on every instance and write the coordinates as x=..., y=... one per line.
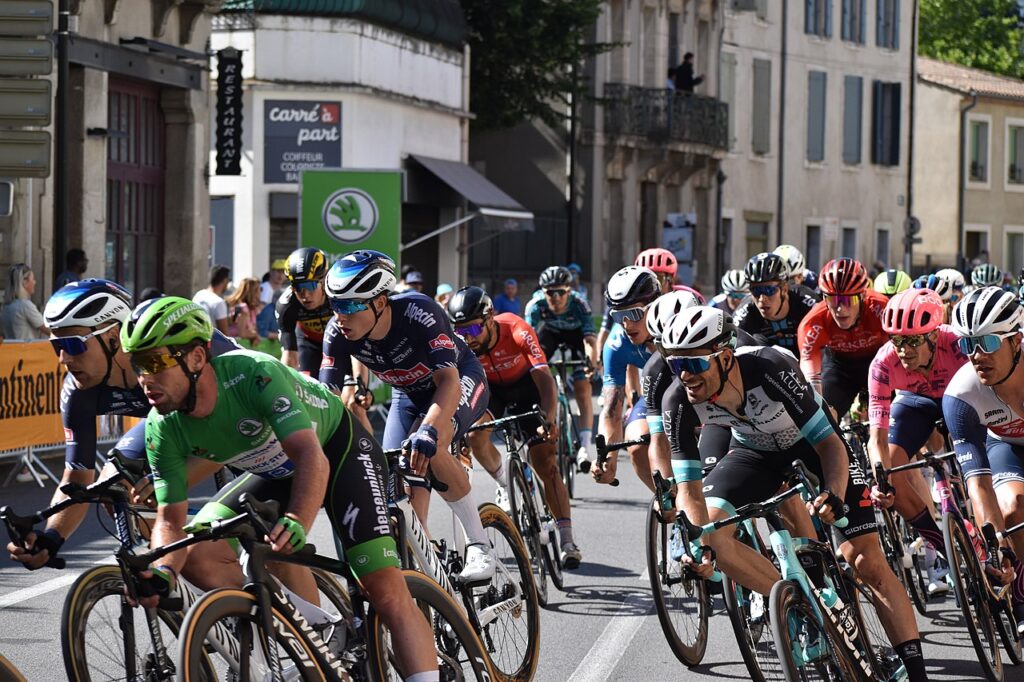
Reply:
x=682, y=602
x=915, y=565
x=748, y=615
x=566, y=455
x=1006, y=626
x=460, y=655
x=525, y=516
x=808, y=650
x=508, y=608
x=885, y=661
x=8, y=673
x=898, y=557
x=103, y=638
x=552, y=546
x=971, y=595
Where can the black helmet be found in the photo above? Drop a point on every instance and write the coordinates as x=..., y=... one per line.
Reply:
x=630, y=286
x=307, y=265
x=469, y=303
x=555, y=276
x=767, y=267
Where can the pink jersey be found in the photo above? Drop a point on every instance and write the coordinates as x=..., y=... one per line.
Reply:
x=887, y=375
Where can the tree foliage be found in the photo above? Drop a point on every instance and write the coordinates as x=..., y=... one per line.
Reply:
x=984, y=34
x=521, y=58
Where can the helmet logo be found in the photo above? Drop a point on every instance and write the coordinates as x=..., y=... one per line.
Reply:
x=350, y=215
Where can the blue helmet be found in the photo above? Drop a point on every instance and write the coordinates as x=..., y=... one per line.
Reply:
x=88, y=303
x=361, y=275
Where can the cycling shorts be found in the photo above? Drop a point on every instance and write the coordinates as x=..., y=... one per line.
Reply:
x=550, y=339
x=746, y=475
x=1007, y=461
x=912, y=420
x=355, y=499
x=713, y=443
x=404, y=416
x=842, y=379
x=636, y=413
x=515, y=399
x=310, y=356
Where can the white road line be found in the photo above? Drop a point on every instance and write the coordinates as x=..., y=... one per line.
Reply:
x=599, y=663
x=19, y=596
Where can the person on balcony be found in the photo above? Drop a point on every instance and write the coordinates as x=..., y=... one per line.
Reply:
x=685, y=79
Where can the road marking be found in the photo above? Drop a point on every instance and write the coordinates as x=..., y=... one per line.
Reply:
x=599, y=663
x=19, y=596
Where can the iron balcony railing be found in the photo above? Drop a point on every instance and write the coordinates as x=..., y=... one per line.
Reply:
x=662, y=116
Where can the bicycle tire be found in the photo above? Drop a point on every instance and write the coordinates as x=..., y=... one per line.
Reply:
x=917, y=570
x=566, y=456
x=524, y=515
x=830, y=659
x=691, y=646
x=884, y=660
x=452, y=632
x=753, y=638
x=895, y=553
x=1006, y=626
x=971, y=595
x=552, y=551
x=9, y=673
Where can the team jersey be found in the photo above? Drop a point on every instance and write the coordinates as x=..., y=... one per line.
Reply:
x=971, y=409
x=618, y=354
x=577, y=315
x=887, y=375
x=516, y=352
x=781, y=332
x=260, y=402
x=80, y=407
x=297, y=324
x=780, y=409
x=819, y=331
x=420, y=342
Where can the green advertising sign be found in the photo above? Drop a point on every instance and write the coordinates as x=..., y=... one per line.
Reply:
x=346, y=210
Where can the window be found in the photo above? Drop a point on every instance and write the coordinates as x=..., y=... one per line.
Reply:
x=757, y=238
x=853, y=106
x=854, y=15
x=673, y=40
x=1015, y=153
x=813, y=247
x=887, y=24
x=818, y=18
x=1014, y=258
x=885, y=124
x=653, y=77
x=816, y=81
x=976, y=243
x=849, y=249
x=727, y=93
x=762, y=125
x=882, y=245
x=761, y=7
x=978, y=141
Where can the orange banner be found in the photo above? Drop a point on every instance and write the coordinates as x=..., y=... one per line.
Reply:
x=30, y=383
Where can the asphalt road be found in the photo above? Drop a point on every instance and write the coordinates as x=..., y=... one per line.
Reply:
x=603, y=627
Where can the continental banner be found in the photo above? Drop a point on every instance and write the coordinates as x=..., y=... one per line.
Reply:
x=30, y=383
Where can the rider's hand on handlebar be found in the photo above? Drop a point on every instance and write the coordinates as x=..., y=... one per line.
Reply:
x=822, y=506
x=142, y=492
x=604, y=472
x=549, y=432
x=882, y=500
x=38, y=549
x=152, y=586
x=705, y=569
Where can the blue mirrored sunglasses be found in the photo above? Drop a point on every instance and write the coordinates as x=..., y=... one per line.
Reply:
x=989, y=343
x=75, y=345
x=309, y=286
x=764, y=290
x=691, y=365
x=347, y=306
x=470, y=330
x=631, y=314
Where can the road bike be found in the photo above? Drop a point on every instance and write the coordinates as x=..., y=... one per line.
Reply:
x=562, y=362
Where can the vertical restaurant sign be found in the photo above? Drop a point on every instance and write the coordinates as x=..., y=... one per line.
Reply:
x=299, y=135
x=229, y=112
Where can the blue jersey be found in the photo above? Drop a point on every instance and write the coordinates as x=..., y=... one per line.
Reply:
x=420, y=342
x=577, y=315
x=618, y=354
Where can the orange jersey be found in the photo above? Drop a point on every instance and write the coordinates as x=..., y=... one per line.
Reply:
x=516, y=352
x=818, y=330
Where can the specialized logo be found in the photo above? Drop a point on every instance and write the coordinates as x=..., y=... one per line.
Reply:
x=350, y=215
x=281, y=404
x=365, y=444
x=442, y=341
x=249, y=427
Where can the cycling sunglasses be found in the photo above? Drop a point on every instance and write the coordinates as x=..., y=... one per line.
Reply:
x=989, y=343
x=469, y=331
x=348, y=306
x=630, y=314
x=912, y=340
x=764, y=290
x=308, y=286
x=154, y=363
x=75, y=345
x=691, y=365
x=555, y=293
x=738, y=295
x=841, y=300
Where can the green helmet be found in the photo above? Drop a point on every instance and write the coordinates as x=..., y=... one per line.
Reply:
x=892, y=282
x=167, y=321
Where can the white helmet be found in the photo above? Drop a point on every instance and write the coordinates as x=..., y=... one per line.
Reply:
x=632, y=285
x=698, y=327
x=953, y=276
x=88, y=303
x=793, y=258
x=988, y=310
x=735, y=282
x=360, y=276
x=662, y=310
x=986, y=275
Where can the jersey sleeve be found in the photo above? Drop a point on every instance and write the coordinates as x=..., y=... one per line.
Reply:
x=532, y=314
x=606, y=320
x=968, y=435
x=811, y=338
x=614, y=359
x=585, y=315
x=879, y=390
x=287, y=319
x=167, y=453
x=78, y=414
x=654, y=381
x=277, y=400
x=336, y=363
x=680, y=422
x=439, y=337
x=526, y=338
x=783, y=383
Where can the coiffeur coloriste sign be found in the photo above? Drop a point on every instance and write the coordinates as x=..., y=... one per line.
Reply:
x=30, y=384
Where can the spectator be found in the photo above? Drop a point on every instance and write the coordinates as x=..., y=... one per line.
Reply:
x=21, y=318
x=443, y=293
x=670, y=82
x=273, y=284
x=685, y=79
x=414, y=281
x=75, y=265
x=403, y=284
x=577, y=283
x=506, y=301
x=212, y=299
x=243, y=307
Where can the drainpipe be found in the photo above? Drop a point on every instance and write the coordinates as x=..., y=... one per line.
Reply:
x=960, y=259
x=61, y=200
x=721, y=257
x=908, y=257
x=780, y=198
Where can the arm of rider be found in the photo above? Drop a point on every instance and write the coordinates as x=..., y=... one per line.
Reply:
x=548, y=391
x=690, y=498
x=309, y=485
x=878, y=452
x=59, y=527
x=593, y=353
x=290, y=358
x=197, y=470
x=446, y=400
x=168, y=528
x=362, y=372
x=609, y=426
x=632, y=387
x=835, y=465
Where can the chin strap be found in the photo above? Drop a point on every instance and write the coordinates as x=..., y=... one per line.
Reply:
x=193, y=380
x=376, y=319
x=110, y=352
x=1013, y=368
x=724, y=376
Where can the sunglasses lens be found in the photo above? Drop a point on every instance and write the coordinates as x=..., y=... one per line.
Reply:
x=631, y=314
x=988, y=343
x=471, y=330
x=766, y=290
x=73, y=345
x=347, y=306
x=153, y=363
x=556, y=292
x=912, y=341
x=306, y=286
x=689, y=365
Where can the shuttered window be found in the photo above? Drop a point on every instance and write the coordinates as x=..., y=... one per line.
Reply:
x=1015, y=172
x=885, y=124
x=853, y=21
x=762, y=109
x=979, y=151
x=887, y=24
x=853, y=106
x=727, y=92
x=816, y=81
x=818, y=18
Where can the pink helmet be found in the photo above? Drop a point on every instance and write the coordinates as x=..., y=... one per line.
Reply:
x=913, y=311
x=661, y=261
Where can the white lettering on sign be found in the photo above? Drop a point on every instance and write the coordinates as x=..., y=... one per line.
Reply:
x=290, y=115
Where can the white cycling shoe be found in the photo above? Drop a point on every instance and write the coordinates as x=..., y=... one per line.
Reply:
x=501, y=499
x=571, y=556
x=480, y=564
x=937, y=581
x=583, y=460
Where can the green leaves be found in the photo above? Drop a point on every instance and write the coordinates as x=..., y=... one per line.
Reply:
x=983, y=34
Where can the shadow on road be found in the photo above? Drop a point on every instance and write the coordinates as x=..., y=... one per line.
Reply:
x=602, y=601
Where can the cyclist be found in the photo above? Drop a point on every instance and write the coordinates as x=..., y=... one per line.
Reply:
x=775, y=416
x=560, y=316
x=956, y=281
x=891, y=282
x=85, y=319
x=775, y=307
x=628, y=296
x=439, y=386
x=294, y=439
x=917, y=362
x=984, y=410
x=795, y=261
x=840, y=336
x=735, y=289
x=519, y=378
x=986, y=275
x=943, y=286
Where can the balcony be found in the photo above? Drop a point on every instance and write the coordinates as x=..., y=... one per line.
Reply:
x=663, y=116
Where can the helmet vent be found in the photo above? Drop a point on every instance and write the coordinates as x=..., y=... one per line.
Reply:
x=368, y=284
x=92, y=308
